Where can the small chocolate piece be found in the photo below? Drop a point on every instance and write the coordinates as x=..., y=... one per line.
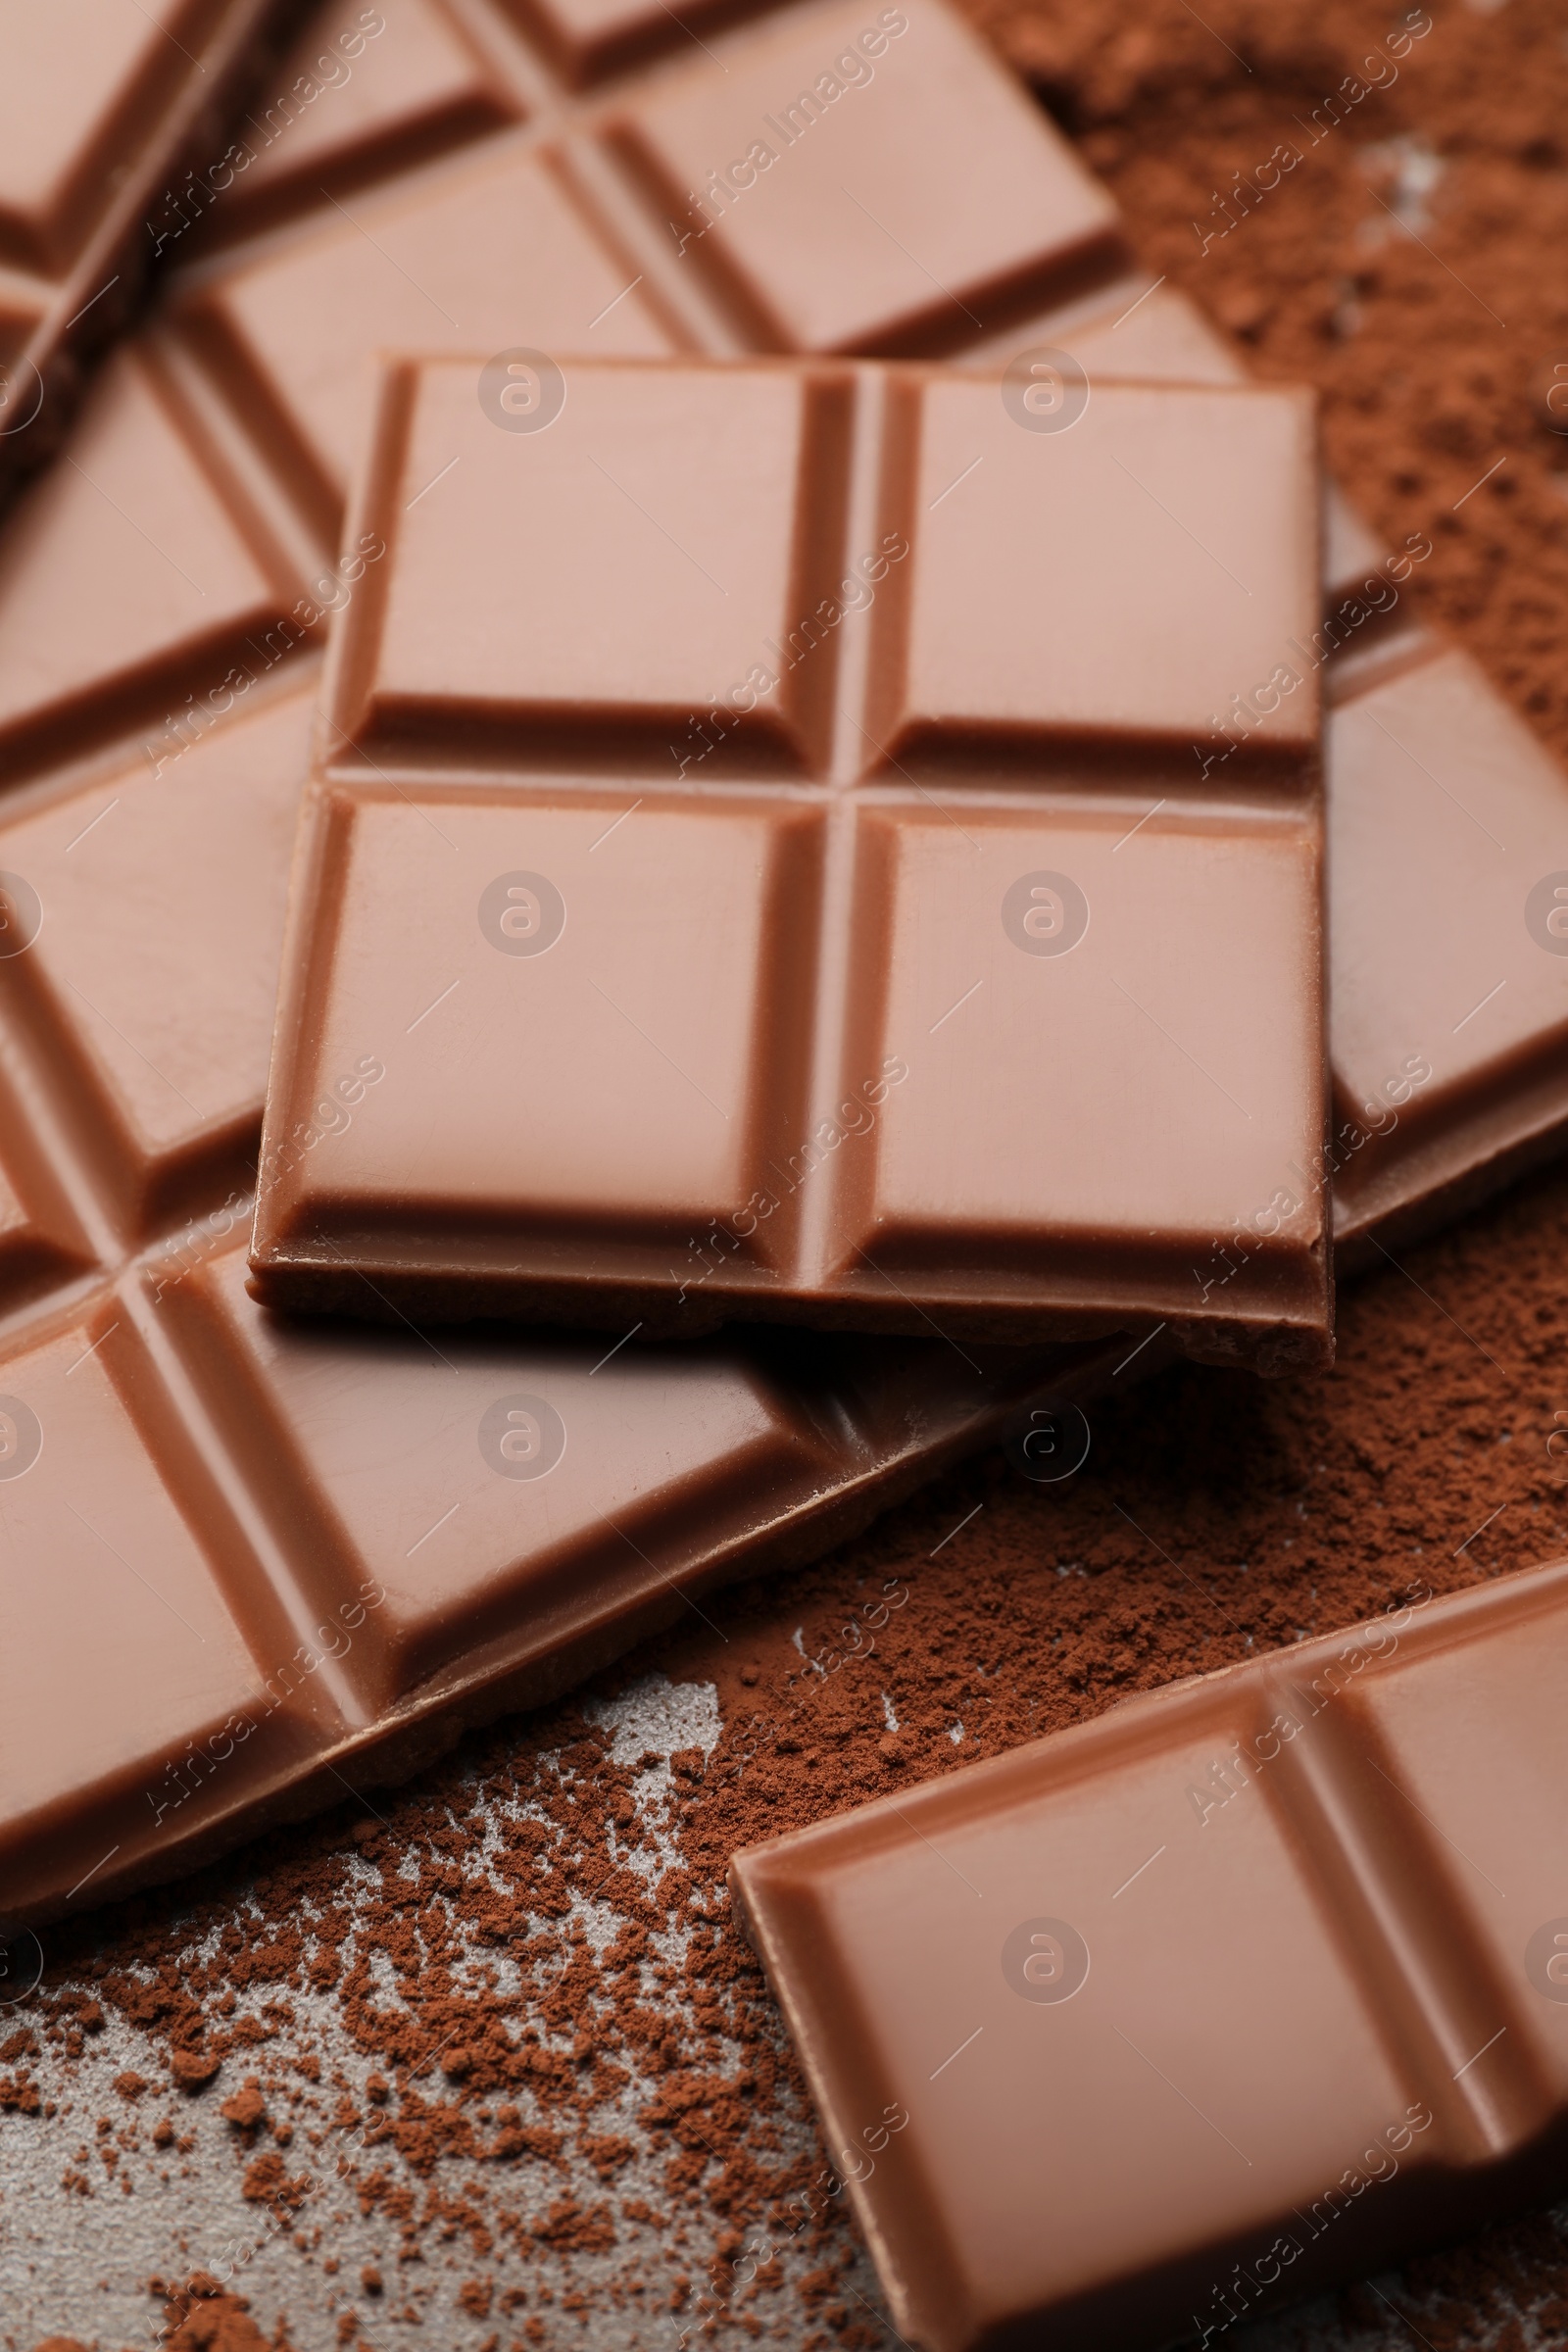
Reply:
x=1254, y=1985
x=105, y=110
x=979, y=1016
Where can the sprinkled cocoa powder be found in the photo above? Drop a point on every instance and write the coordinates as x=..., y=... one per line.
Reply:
x=485, y=2056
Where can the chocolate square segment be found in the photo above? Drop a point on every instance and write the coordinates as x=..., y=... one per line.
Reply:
x=594, y=1037
x=1109, y=589
x=863, y=179
x=773, y=1023
x=978, y=2003
x=152, y=911
x=535, y=1490
x=107, y=1576
x=628, y=577
x=1086, y=1107
x=127, y=576
x=490, y=254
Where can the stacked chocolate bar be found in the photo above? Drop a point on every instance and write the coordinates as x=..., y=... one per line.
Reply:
x=873, y=852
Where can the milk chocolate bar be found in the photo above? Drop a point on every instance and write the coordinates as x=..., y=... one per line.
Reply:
x=1255, y=1983
x=859, y=180
x=905, y=984
x=162, y=593
x=106, y=108
x=1450, y=926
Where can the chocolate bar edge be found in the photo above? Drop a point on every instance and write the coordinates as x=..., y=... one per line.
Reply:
x=415, y=1734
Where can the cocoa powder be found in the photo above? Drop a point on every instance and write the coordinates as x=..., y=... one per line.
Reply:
x=487, y=2054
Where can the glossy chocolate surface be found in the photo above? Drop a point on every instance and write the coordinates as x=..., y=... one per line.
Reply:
x=619, y=222
x=868, y=992
x=1443, y=810
x=1253, y=1985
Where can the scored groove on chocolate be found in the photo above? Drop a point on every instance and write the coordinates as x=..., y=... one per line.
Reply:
x=265, y=1623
